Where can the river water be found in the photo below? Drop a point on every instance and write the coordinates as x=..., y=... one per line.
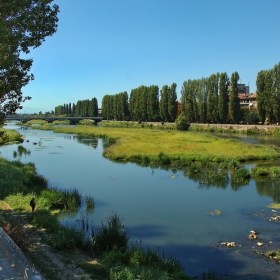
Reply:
x=161, y=208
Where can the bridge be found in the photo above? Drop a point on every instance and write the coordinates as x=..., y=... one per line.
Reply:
x=73, y=120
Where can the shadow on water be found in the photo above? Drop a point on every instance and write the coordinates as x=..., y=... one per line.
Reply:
x=145, y=231
x=231, y=263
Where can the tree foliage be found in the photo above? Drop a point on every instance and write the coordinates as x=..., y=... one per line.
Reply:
x=24, y=24
x=268, y=94
x=234, y=103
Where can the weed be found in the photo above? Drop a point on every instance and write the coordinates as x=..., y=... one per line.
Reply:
x=111, y=235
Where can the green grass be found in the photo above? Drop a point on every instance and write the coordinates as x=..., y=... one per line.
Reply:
x=10, y=136
x=169, y=146
x=16, y=177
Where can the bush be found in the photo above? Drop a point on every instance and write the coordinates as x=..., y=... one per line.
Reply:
x=58, y=199
x=111, y=236
x=241, y=175
x=70, y=239
x=259, y=171
x=90, y=204
x=153, y=258
x=182, y=123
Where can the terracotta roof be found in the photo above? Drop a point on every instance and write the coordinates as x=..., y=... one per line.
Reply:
x=247, y=95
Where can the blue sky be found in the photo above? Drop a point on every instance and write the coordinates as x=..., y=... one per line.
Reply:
x=110, y=46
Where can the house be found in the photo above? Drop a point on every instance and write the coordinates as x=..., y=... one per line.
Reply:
x=248, y=100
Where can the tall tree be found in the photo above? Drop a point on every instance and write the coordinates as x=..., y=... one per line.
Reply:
x=276, y=91
x=163, y=104
x=188, y=100
x=270, y=100
x=200, y=87
x=172, y=102
x=223, y=100
x=153, y=103
x=95, y=107
x=234, y=104
x=261, y=98
x=212, y=102
x=24, y=24
x=73, y=109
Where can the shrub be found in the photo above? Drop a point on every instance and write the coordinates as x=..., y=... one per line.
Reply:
x=241, y=175
x=4, y=138
x=164, y=158
x=275, y=172
x=153, y=258
x=111, y=236
x=58, y=199
x=20, y=201
x=259, y=171
x=70, y=239
x=182, y=123
x=89, y=202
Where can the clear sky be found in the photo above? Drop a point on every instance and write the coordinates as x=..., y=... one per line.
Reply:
x=110, y=46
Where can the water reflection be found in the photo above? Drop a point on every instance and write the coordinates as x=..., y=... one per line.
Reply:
x=270, y=189
x=21, y=151
x=86, y=140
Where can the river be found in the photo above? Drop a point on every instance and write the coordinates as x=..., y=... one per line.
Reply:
x=161, y=208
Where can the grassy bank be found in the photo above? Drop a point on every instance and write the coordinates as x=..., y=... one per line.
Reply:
x=9, y=137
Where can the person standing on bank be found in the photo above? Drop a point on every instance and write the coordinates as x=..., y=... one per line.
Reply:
x=32, y=204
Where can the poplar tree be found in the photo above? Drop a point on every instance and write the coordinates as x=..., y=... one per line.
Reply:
x=163, y=104
x=172, y=102
x=276, y=91
x=95, y=107
x=212, y=102
x=234, y=104
x=153, y=103
x=188, y=100
x=200, y=87
x=260, y=83
x=223, y=100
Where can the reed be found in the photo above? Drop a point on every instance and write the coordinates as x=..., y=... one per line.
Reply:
x=260, y=172
x=241, y=176
x=90, y=204
x=111, y=235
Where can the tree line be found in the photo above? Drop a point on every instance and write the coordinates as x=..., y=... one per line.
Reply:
x=145, y=103
x=207, y=100
x=83, y=108
x=214, y=99
x=268, y=94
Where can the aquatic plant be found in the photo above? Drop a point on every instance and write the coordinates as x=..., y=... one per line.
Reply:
x=275, y=172
x=90, y=204
x=110, y=235
x=259, y=171
x=66, y=238
x=241, y=175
